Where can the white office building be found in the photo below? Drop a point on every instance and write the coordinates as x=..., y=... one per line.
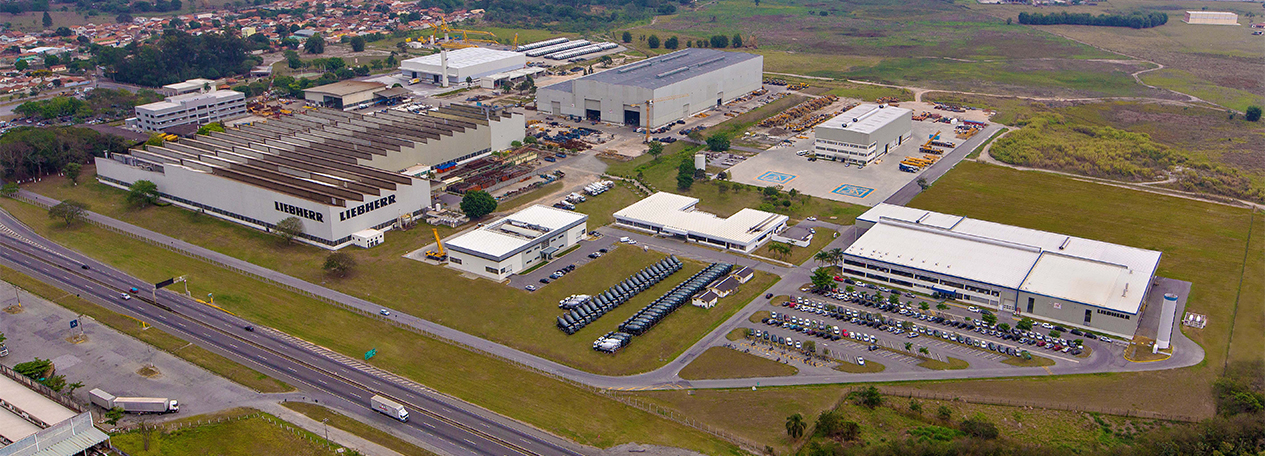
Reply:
x=676, y=215
x=1064, y=279
x=517, y=242
x=196, y=85
x=471, y=62
x=862, y=134
x=191, y=108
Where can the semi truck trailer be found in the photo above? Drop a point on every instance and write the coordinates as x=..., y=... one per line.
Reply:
x=389, y=407
x=133, y=404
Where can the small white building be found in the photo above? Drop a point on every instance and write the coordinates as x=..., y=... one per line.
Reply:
x=1211, y=18
x=196, y=85
x=864, y=133
x=675, y=215
x=795, y=235
x=190, y=108
x=707, y=299
x=367, y=238
x=517, y=242
x=744, y=275
x=472, y=62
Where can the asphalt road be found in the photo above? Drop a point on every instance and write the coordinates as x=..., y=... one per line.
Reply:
x=942, y=166
x=433, y=417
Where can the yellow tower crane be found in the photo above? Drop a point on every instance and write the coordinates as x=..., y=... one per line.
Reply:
x=649, y=104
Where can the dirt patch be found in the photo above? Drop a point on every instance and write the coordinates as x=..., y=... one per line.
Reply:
x=637, y=449
x=149, y=371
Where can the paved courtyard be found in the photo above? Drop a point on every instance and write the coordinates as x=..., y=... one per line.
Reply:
x=837, y=181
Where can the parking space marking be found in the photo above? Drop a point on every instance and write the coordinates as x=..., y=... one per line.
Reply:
x=852, y=190
x=776, y=177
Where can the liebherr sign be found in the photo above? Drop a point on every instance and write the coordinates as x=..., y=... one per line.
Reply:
x=367, y=207
x=301, y=212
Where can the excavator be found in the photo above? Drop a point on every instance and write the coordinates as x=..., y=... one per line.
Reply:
x=439, y=254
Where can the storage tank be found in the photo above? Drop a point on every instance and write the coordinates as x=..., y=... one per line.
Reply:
x=1165, y=335
x=700, y=161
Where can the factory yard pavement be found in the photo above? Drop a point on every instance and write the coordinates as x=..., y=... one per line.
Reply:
x=110, y=360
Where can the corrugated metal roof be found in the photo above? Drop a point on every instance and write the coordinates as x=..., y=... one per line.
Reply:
x=461, y=58
x=75, y=444
x=865, y=118
x=666, y=69
x=493, y=241
x=676, y=213
x=937, y=250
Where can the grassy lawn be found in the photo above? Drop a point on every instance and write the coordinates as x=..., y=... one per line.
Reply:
x=362, y=430
x=952, y=364
x=756, y=317
x=980, y=149
x=1036, y=361
x=870, y=367
x=736, y=334
x=554, y=406
x=520, y=200
x=799, y=255
x=202, y=357
x=248, y=436
x=1186, y=82
x=721, y=362
x=601, y=208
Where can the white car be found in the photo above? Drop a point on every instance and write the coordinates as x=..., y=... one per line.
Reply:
x=125, y=296
x=973, y=309
x=385, y=312
x=811, y=219
x=860, y=361
x=531, y=288
x=1047, y=326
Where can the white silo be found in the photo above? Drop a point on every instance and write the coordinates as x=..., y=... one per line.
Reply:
x=700, y=161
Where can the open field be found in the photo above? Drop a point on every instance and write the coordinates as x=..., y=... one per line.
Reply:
x=1187, y=82
x=360, y=429
x=520, y=200
x=799, y=255
x=721, y=362
x=1036, y=361
x=869, y=367
x=554, y=406
x=601, y=208
x=248, y=436
x=202, y=357
x=952, y=364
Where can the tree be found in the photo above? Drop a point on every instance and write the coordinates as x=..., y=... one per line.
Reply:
x=942, y=306
x=989, y=318
x=684, y=182
x=779, y=249
x=289, y=228
x=823, y=258
x=35, y=369
x=831, y=424
x=1055, y=333
x=1025, y=324
x=1003, y=327
x=719, y=41
x=653, y=41
x=923, y=184
x=112, y=416
x=810, y=346
x=72, y=387
x=944, y=413
x=915, y=406
x=822, y=279
x=2, y=339
x=924, y=350
x=868, y=397
x=605, y=60
x=1253, y=113
x=21, y=65
x=68, y=211
x=671, y=43
x=718, y=142
x=979, y=426
x=477, y=204
x=72, y=171
x=142, y=193
x=314, y=45
x=909, y=346
x=654, y=148
x=48, y=20
x=357, y=43
x=339, y=264
x=627, y=37
x=736, y=41
x=795, y=425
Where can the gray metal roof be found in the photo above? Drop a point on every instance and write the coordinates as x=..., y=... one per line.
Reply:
x=668, y=69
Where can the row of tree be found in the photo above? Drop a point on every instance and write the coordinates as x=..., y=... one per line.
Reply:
x=1136, y=20
x=716, y=41
x=177, y=56
x=106, y=103
x=27, y=152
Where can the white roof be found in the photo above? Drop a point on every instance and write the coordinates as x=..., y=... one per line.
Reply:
x=865, y=118
x=32, y=402
x=515, y=231
x=676, y=215
x=461, y=58
x=1083, y=270
x=192, y=84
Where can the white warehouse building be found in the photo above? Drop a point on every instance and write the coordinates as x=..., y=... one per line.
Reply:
x=196, y=108
x=471, y=62
x=516, y=242
x=1074, y=281
x=656, y=91
x=862, y=134
x=675, y=215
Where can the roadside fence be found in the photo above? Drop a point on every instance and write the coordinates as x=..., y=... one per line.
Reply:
x=913, y=393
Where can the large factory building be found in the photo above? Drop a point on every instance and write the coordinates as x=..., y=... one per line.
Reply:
x=1054, y=277
x=656, y=91
x=342, y=174
x=453, y=67
x=862, y=134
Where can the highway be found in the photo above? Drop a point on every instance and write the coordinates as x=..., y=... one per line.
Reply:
x=434, y=418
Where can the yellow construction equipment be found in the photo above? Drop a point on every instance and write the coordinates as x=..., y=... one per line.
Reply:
x=515, y=43
x=440, y=254
x=650, y=103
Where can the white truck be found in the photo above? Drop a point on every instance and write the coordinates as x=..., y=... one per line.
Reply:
x=389, y=407
x=133, y=404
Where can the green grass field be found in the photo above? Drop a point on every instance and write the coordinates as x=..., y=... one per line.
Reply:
x=952, y=364
x=870, y=367
x=1186, y=82
x=601, y=208
x=365, y=431
x=249, y=436
x=557, y=407
x=721, y=362
x=799, y=255
x=202, y=357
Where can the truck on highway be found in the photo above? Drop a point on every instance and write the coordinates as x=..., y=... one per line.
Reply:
x=133, y=404
x=389, y=407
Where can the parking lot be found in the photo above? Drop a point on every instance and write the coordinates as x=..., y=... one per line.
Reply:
x=578, y=257
x=834, y=180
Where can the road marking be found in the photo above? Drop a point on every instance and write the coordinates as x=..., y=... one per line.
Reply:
x=291, y=369
x=233, y=345
x=428, y=425
x=322, y=382
x=468, y=441
x=182, y=325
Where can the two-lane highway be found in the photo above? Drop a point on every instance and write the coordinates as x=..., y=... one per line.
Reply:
x=456, y=429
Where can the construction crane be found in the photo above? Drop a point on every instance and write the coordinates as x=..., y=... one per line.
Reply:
x=649, y=104
x=514, y=45
x=440, y=254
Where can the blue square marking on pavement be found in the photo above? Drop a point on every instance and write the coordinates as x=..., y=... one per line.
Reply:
x=852, y=190
x=776, y=177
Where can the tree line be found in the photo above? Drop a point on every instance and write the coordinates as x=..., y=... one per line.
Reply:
x=27, y=152
x=22, y=6
x=175, y=57
x=107, y=103
x=1136, y=20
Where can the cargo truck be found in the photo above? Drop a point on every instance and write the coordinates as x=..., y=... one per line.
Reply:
x=389, y=407
x=133, y=404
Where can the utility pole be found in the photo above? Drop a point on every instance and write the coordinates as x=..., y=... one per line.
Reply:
x=326, y=421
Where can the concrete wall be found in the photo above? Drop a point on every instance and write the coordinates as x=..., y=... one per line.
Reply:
x=1073, y=314
x=258, y=207
x=883, y=140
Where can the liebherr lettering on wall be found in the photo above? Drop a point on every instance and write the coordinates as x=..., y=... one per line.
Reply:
x=301, y=212
x=363, y=208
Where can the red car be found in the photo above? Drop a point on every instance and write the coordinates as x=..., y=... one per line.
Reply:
x=838, y=279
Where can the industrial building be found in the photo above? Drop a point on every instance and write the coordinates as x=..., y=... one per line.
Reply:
x=656, y=91
x=345, y=95
x=453, y=67
x=795, y=235
x=1211, y=18
x=36, y=421
x=1048, y=276
x=516, y=242
x=493, y=81
x=676, y=215
x=340, y=173
x=192, y=108
x=862, y=134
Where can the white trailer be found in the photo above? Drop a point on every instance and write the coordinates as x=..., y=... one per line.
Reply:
x=133, y=404
x=389, y=407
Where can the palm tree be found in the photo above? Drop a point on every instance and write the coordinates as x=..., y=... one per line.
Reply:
x=779, y=249
x=909, y=346
x=924, y=350
x=795, y=425
x=823, y=257
x=836, y=256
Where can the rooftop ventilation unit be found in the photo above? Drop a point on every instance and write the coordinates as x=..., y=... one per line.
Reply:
x=634, y=67
x=675, y=56
x=672, y=72
x=709, y=61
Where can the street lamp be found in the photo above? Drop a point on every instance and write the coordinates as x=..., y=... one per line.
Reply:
x=326, y=421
